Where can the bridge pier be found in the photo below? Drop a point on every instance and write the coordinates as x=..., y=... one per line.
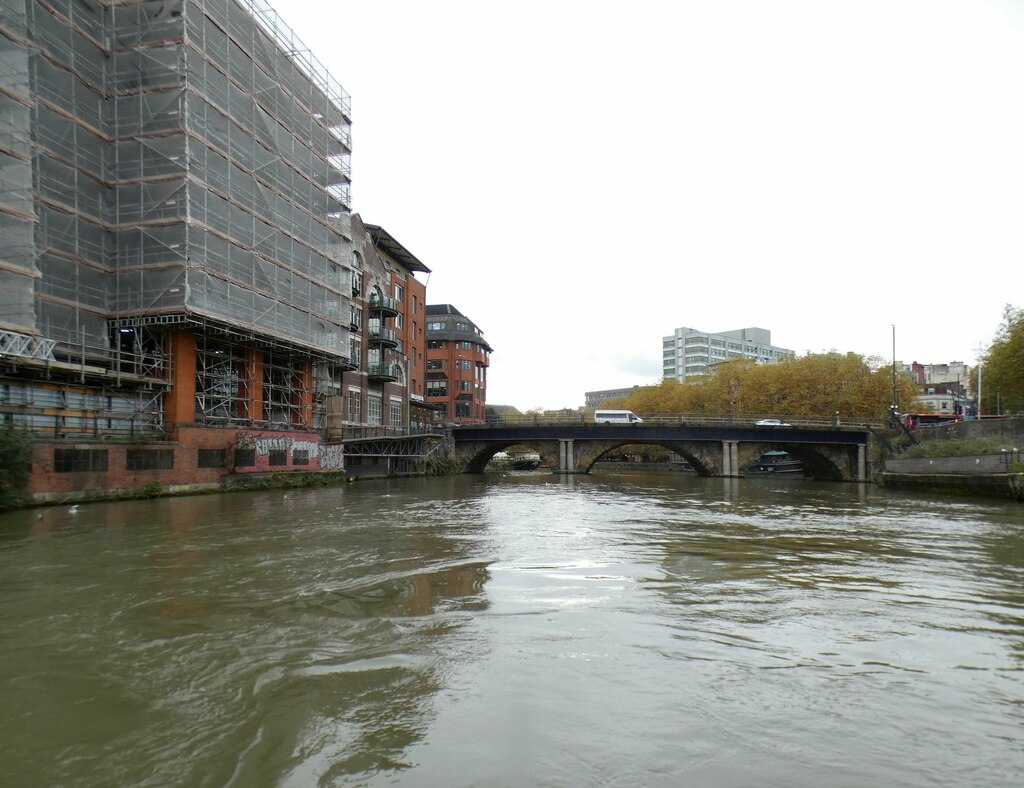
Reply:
x=730, y=458
x=566, y=456
x=862, y=462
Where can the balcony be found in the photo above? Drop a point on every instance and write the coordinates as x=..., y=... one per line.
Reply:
x=384, y=306
x=383, y=372
x=382, y=337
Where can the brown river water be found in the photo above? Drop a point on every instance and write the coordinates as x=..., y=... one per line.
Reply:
x=517, y=629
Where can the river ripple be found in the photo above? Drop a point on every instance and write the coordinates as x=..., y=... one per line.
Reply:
x=516, y=629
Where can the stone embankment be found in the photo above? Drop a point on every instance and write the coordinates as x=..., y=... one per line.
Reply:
x=991, y=475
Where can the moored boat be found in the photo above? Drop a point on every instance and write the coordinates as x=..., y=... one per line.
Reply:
x=777, y=462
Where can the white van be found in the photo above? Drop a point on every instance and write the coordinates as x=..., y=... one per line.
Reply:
x=616, y=417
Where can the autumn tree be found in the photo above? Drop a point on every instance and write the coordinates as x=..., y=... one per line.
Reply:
x=815, y=386
x=1002, y=377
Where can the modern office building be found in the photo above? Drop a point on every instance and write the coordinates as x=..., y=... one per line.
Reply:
x=457, y=362
x=689, y=353
x=177, y=255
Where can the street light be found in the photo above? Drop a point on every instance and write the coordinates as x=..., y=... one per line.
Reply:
x=895, y=404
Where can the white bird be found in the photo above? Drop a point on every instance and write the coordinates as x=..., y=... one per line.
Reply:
x=73, y=509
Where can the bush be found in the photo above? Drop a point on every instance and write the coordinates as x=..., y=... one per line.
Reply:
x=957, y=447
x=15, y=467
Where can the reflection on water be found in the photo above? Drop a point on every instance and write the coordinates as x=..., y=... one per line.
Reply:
x=516, y=629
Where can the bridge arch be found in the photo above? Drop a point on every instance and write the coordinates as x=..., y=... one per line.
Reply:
x=705, y=457
x=817, y=462
x=475, y=460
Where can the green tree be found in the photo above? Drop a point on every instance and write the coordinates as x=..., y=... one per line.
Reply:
x=1002, y=375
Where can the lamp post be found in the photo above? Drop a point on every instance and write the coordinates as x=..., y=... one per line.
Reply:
x=895, y=404
x=978, y=414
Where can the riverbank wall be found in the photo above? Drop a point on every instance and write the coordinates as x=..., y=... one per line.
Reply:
x=990, y=475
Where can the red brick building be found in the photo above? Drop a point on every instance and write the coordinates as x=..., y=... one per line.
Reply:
x=457, y=360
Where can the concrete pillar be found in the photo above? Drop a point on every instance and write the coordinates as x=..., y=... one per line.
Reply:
x=730, y=458
x=862, y=462
x=566, y=456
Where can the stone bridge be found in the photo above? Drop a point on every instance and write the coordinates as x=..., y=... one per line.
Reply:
x=837, y=454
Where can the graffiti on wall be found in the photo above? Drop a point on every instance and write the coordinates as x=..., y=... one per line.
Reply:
x=327, y=457
x=332, y=457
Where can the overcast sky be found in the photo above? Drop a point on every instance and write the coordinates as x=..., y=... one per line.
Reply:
x=584, y=177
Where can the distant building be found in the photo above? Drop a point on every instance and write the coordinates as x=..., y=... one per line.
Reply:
x=457, y=362
x=595, y=398
x=690, y=353
x=941, y=388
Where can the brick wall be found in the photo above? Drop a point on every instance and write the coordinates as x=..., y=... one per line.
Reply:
x=200, y=458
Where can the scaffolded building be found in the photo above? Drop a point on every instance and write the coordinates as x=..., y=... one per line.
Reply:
x=174, y=205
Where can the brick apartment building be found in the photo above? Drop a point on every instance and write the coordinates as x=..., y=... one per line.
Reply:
x=457, y=362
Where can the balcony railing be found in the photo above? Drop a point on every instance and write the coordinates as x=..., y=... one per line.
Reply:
x=383, y=372
x=383, y=337
x=385, y=306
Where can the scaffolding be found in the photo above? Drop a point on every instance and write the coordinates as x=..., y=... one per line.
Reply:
x=191, y=164
x=235, y=387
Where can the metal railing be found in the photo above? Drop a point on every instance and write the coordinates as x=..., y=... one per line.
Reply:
x=677, y=419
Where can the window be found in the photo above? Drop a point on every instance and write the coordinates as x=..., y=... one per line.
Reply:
x=399, y=293
x=435, y=326
x=80, y=460
x=437, y=388
x=436, y=344
x=300, y=457
x=434, y=363
x=355, y=317
x=278, y=457
x=212, y=458
x=355, y=349
x=355, y=403
x=357, y=283
x=395, y=413
x=245, y=458
x=357, y=261
x=373, y=411
x=466, y=385
x=415, y=305
x=149, y=459
x=398, y=320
